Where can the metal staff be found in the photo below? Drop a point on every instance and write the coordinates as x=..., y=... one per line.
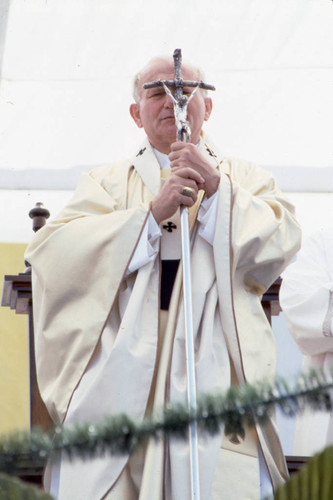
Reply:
x=180, y=102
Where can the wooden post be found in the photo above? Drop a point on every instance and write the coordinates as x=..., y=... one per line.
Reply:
x=38, y=214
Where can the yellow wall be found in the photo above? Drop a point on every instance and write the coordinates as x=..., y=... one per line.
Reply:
x=14, y=362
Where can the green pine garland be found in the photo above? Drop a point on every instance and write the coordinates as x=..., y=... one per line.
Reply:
x=241, y=405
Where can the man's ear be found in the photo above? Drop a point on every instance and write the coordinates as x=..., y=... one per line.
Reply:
x=135, y=114
x=208, y=107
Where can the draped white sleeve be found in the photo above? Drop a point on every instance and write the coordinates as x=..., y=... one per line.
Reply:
x=306, y=295
x=306, y=300
x=148, y=245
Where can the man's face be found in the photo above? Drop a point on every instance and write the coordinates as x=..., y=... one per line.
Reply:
x=154, y=111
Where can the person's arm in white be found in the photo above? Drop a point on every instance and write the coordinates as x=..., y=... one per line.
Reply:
x=306, y=295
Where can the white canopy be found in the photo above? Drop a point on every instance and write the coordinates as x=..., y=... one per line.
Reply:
x=66, y=68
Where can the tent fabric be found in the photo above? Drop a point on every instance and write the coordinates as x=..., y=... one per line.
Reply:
x=67, y=66
x=65, y=86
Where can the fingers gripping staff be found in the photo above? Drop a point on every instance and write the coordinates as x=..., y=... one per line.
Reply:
x=180, y=103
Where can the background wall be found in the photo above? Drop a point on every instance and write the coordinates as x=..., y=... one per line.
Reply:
x=14, y=363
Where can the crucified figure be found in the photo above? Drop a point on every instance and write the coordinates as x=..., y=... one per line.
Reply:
x=180, y=111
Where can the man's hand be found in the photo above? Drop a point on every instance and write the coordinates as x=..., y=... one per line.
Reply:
x=185, y=154
x=171, y=197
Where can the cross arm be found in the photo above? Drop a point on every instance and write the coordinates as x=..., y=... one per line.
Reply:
x=183, y=83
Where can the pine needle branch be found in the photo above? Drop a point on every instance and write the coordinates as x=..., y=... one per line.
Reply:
x=120, y=434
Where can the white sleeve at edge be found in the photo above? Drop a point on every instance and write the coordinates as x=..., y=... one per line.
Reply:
x=207, y=217
x=148, y=245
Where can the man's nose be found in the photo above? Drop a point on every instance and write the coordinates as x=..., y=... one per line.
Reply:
x=167, y=102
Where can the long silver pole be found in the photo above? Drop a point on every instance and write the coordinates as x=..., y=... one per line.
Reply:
x=190, y=357
x=183, y=135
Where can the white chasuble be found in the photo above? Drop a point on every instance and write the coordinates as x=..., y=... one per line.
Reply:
x=97, y=327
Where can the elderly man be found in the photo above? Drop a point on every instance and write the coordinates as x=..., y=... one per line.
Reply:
x=108, y=308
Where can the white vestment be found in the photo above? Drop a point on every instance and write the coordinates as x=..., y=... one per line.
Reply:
x=91, y=311
x=306, y=298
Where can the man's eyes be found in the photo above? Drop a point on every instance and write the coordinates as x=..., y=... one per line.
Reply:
x=160, y=93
